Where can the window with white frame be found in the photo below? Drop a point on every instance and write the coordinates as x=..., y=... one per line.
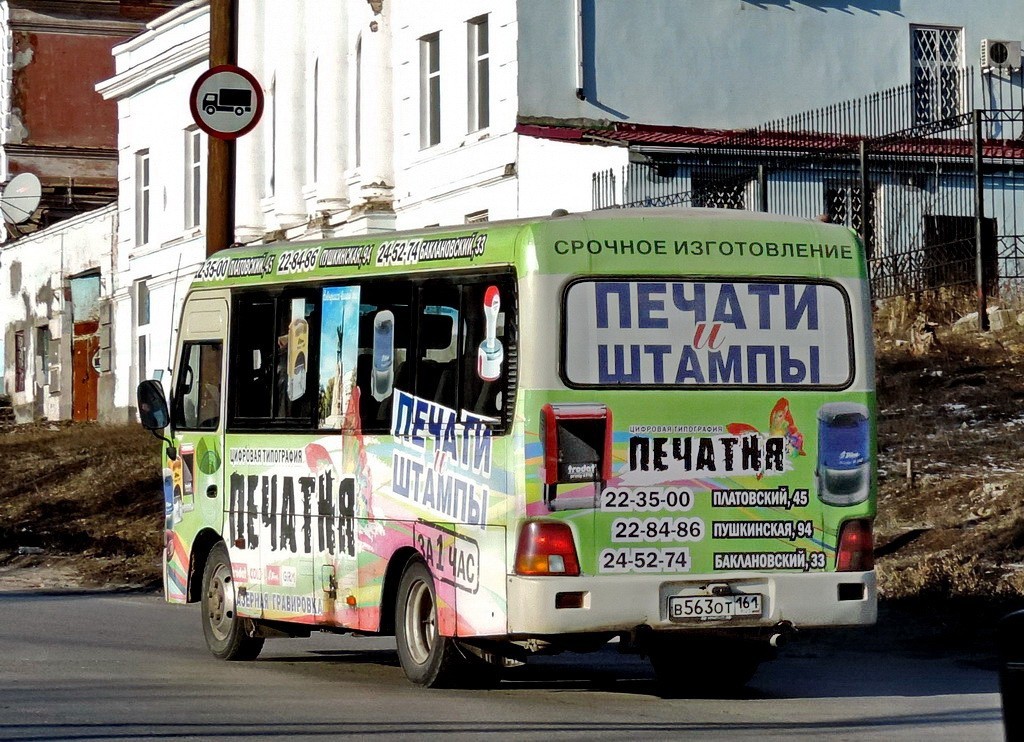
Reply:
x=479, y=75
x=430, y=90
x=142, y=328
x=193, y=177
x=358, y=114
x=314, y=114
x=270, y=151
x=937, y=63
x=43, y=355
x=142, y=185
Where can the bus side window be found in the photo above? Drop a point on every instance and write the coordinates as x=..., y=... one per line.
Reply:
x=488, y=344
x=274, y=371
x=197, y=394
x=437, y=327
x=384, y=326
x=252, y=357
x=295, y=392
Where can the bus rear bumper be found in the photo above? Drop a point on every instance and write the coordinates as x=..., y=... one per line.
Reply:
x=625, y=602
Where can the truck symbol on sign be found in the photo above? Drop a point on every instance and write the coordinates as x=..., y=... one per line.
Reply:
x=238, y=100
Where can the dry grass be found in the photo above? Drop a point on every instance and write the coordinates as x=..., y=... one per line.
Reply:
x=87, y=491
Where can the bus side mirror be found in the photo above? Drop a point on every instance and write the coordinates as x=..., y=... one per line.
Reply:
x=153, y=412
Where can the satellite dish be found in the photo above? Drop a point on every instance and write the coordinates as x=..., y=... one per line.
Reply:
x=20, y=198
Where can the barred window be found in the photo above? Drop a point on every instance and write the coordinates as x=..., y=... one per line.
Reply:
x=937, y=61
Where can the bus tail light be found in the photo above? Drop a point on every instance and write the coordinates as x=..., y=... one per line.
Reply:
x=546, y=548
x=856, y=547
x=577, y=443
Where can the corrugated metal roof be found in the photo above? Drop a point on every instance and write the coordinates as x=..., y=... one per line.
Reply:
x=639, y=135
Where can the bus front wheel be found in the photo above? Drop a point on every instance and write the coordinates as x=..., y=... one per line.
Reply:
x=427, y=658
x=226, y=634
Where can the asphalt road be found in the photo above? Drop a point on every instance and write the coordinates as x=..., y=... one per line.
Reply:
x=117, y=667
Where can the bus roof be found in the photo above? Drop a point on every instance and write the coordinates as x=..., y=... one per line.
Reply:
x=680, y=241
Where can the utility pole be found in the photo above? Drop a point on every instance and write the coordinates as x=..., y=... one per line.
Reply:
x=220, y=179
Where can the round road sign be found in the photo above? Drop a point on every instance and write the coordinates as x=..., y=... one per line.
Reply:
x=226, y=101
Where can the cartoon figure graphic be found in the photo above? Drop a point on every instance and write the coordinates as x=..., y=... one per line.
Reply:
x=491, y=353
x=782, y=425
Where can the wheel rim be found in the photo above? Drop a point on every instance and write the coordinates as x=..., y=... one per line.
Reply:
x=420, y=622
x=220, y=602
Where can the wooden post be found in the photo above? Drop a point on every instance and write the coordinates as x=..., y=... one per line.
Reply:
x=220, y=175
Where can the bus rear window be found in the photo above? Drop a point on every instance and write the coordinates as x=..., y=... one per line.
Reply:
x=642, y=333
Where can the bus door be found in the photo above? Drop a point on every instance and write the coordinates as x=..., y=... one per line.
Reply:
x=274, y=462
x=196, y=475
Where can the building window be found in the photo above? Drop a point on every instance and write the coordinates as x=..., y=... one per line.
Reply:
x=430, y=90
x=844, y=205
x=314, y=144
x=143, y=365
x=142, y=303
x=270, y=153
x=43, y=354
x=20, y=358
x=142, y=197
x=719, y=190
x=937, y=61
x=193, y=177
x=358, y=134
x=142, y=328
x=478, y=58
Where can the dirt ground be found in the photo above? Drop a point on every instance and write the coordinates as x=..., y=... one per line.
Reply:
x=81, y=504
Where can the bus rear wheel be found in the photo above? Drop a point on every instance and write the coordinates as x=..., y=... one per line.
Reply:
x=226, y=634
x=427, y=658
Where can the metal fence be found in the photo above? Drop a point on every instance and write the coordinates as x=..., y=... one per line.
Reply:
x=939, y=204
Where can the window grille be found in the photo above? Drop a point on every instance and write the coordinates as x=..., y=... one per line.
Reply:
x=937, y=60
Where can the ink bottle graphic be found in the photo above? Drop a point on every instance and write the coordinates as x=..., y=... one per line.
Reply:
x=843, y=472
x=383, y=377
x=491, y=353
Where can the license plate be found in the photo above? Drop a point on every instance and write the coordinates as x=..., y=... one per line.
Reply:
x=712, y=607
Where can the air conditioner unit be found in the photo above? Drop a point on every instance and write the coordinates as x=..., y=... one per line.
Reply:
x=996, y=53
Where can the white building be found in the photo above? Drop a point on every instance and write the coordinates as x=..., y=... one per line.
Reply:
x=161, y=191
x=396, y=114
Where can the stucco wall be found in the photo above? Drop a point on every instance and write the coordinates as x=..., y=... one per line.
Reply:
x=730, y=63
x=33, y=282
